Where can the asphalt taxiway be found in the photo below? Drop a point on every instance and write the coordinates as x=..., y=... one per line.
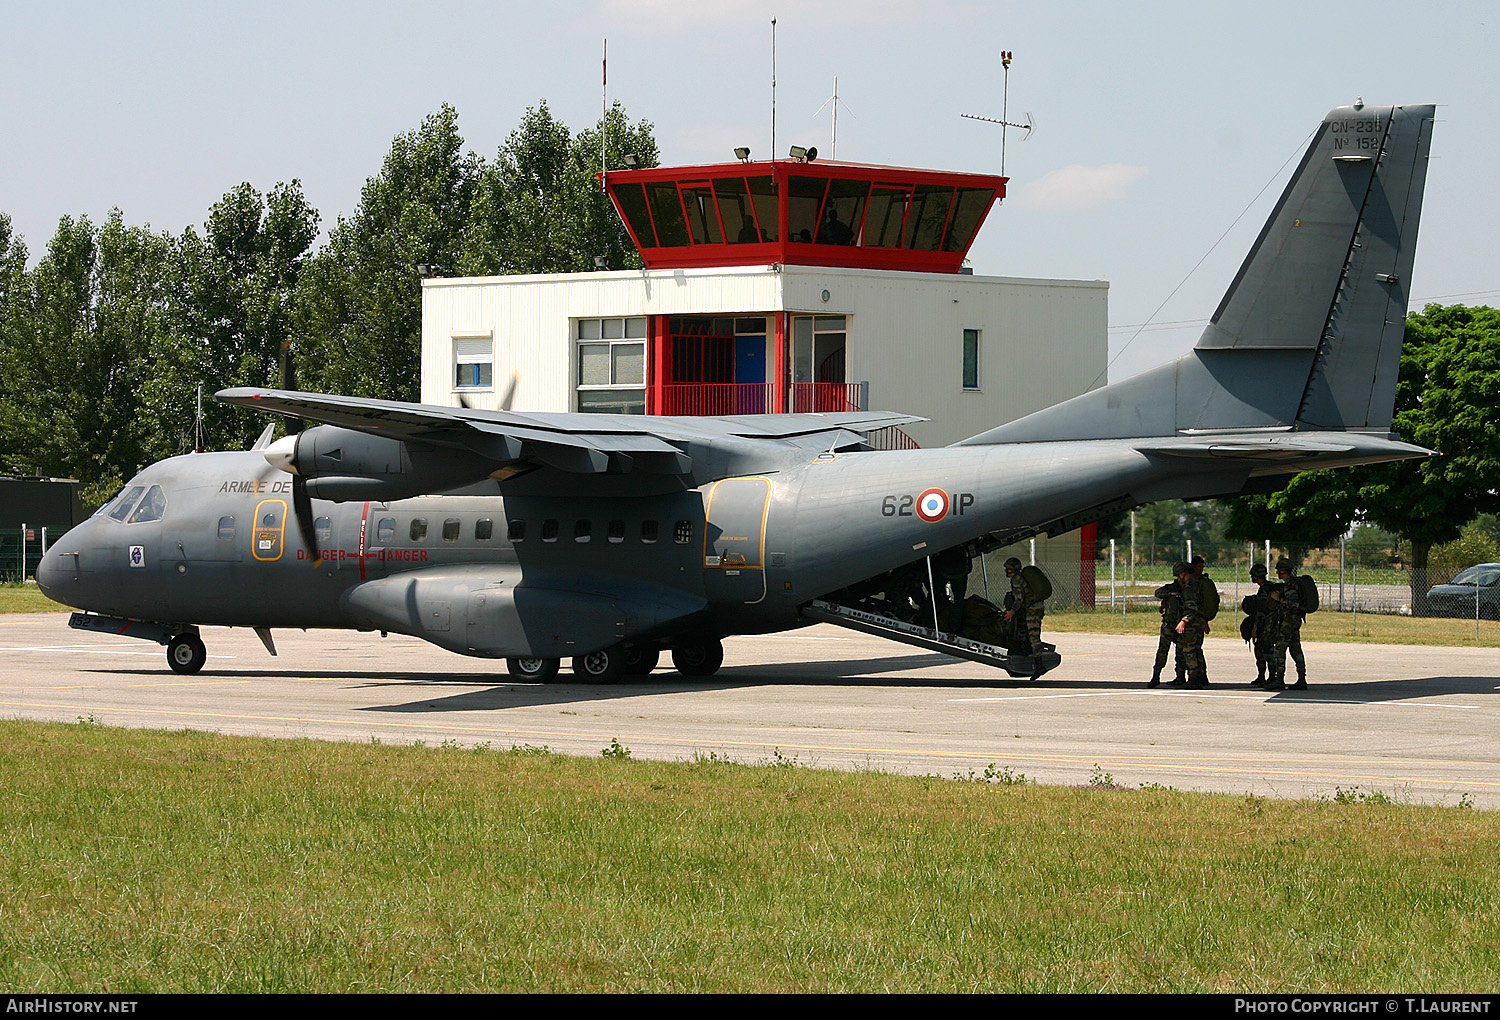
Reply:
x=1411, y=722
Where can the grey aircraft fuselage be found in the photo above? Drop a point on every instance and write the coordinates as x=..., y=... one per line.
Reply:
x=608, y=536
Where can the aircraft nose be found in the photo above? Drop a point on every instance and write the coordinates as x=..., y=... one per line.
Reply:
x=52, y=574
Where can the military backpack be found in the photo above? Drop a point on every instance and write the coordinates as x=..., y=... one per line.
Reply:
x=1038, y=586
x=1307, y=592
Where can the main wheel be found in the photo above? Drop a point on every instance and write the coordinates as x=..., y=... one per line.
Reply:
x=640, y=660
x=539, y=671
x=186, y=654
x=605, y=666
x=699, y=656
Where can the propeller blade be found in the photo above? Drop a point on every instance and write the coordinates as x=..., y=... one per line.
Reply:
x=510, y=391
x=302, y=507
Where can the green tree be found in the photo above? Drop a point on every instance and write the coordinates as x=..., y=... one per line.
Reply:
x=234, y=287
x=359, y=303
x=539, y=207
x=86, y=324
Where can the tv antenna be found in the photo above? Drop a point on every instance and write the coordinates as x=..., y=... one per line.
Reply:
x=1004, y=120
x=835, y=101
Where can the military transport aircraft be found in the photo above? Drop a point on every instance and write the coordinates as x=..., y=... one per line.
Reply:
x=610, y=538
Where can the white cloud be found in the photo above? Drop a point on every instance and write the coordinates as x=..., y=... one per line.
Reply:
x=1078, y=186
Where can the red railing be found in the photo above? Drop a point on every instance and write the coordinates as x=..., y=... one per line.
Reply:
x=826, y=397
x=718, y=398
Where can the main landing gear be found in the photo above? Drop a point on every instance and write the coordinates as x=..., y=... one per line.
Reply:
x=186, y=654
x=695, y=657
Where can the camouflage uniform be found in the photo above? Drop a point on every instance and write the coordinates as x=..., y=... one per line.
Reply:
x=1190, y=637
x=1255, y=608
x=1292, y=600
x=1028, y=613
x=1170, y=595
x=1276, y=621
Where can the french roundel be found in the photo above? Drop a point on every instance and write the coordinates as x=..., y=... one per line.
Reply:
x=932, y=505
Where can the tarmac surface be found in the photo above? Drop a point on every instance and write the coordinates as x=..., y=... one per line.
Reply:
x=1415, y=723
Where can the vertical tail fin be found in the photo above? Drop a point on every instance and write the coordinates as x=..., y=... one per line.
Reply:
x=1309, y=333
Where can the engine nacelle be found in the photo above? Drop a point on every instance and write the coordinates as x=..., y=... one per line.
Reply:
x=343, y=465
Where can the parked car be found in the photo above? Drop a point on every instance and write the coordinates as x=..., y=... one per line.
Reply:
x=1456, y=598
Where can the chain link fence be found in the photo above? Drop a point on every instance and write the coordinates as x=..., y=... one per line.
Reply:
x=1114, y=584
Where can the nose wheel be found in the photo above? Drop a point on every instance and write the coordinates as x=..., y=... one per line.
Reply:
x=186, y=654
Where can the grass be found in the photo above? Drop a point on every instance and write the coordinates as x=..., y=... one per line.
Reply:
x=27, y=598
x=140, y=861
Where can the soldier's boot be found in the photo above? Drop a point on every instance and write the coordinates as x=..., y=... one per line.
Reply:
x=1301, y=684
x=1179, y=680
x=1201, y=680
x=1155, y=678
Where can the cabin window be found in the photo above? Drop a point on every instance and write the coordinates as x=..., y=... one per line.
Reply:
x=418, y=530
x=516, y=531
x=226, y=528
x=451, y=529
x=648, y=531
x=484, y=529
x=617, y=531
x=971, y=359
x=473, y=361
x=126, y=504
x=683, y=533
x=612, y=364
x=322, y=531
x=549, y=530
x=385, y=530
x=583, y=531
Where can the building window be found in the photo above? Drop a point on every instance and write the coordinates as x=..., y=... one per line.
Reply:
x=971, y=359
x=612, y=365
x=474, y=361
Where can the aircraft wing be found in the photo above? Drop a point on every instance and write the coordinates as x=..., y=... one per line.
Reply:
x=583, y=443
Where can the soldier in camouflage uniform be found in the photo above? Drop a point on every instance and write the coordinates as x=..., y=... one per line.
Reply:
x=1170, y=596
x=1275, y=622
x=1190, y=627
x=1260, y=637
x=1026, y=612
x=1292, y=599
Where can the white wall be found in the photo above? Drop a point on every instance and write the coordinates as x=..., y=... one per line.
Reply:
x=1042, y=341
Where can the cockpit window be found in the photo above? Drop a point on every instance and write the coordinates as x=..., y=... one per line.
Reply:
x=126, y=503
x=108, y=503
x=152, y=506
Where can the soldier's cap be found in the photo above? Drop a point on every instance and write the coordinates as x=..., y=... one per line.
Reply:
x=1013, y=564
x=1198, y=558
x=1284, y=564
x=1179, y=568
x=1258, y=570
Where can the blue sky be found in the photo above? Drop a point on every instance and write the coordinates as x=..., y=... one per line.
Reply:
x=1164, y=128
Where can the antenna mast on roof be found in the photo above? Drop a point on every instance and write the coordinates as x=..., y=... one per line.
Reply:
x=1005, y=121
x=603, y=114
x=773, y=88
x=833, y=149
